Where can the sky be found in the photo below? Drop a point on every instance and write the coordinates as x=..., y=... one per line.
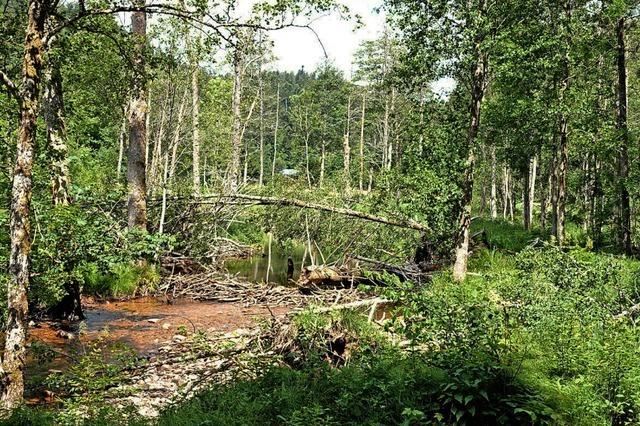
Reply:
x=297, y=47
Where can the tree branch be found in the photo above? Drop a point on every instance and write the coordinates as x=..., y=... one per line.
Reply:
x=260, y=200
x=10, y=85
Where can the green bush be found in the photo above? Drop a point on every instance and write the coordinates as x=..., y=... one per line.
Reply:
x=80, y=246
x=388, y=388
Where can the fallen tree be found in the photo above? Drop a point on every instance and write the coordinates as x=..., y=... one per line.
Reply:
x=411, y=272
x=287, y=202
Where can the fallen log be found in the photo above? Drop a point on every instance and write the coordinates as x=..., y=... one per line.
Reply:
x=411, y=273
x=261, y=200
x=322, y=274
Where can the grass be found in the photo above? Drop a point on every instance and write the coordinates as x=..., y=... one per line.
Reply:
x=507, y=236
x=385, y=389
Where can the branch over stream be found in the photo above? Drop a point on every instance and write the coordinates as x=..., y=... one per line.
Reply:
x=287, y=202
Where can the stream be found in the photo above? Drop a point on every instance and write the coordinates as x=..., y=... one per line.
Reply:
x=146, y=324
x=256, y=268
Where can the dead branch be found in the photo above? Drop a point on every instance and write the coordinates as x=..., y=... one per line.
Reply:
x=285, y=202
x=353, y=305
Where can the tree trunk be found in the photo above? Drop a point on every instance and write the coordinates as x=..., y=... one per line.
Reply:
x=553, y=186
x=526, y=209
x=136, y=166
x=275, y=134
x=493, y=201
x=236, y=142
x=163, y=210
x=505, y=192
x=53, y=106
x=14, y=356
x=69, y=307
x=122, y=141
x=385, y=133
x=389, y=144
x=322, y=161
x=346, y=149
x=195, y=123
x=563, y=149
x=510, y=195
x=563, y=164
x=305, y=125
x=532, y=185
x=176, y=138
x=543, y=206
x=282, y=202
x=361, y=150
x=477, y=93
x=153, y=175
x=261, y=130
x=624, y=222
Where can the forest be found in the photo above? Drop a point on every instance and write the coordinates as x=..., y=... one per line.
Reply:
x=445, y=233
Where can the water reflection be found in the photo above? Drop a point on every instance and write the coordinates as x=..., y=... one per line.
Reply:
x=286, y=264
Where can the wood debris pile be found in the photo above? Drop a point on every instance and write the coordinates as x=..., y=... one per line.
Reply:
x=177, y=263
x=225, y=248
x=215, y=286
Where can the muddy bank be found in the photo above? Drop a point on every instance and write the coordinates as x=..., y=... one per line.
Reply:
x=144, y=325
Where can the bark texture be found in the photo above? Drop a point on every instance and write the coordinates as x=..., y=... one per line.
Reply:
x=13, y=357
x=53, y=108
x=136, y=164
x=478, y=87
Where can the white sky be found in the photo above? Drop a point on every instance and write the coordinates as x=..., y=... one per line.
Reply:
x=295, y=47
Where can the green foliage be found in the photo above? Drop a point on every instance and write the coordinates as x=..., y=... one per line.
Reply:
x=506, y=236
x=545, y=322
x=72, y=245
x=122, y=279
x=389, y=388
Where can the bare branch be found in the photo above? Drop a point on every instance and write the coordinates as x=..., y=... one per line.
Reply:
x=259, y=200
x=10, y=85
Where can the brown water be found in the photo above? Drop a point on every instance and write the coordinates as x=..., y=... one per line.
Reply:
x=256, y=268
x=141, y=324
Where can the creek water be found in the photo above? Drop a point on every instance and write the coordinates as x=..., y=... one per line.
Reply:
x=141, y=324
x=145, y=324
x=256, y=268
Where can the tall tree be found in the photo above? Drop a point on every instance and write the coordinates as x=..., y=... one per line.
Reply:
x=195, y=114
x=624, y=221
x=238, y=63
x=136, y=165
x=53, y=107
x=478, y=86
x=14, y=356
